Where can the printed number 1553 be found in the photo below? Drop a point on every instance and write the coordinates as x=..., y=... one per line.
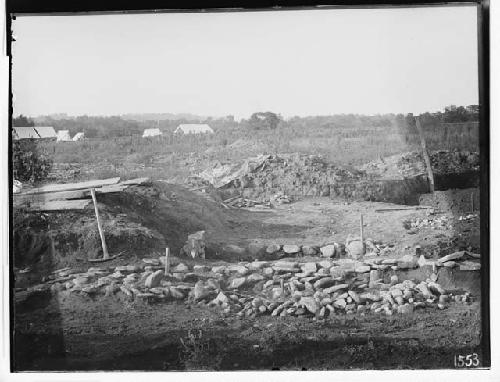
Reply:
x=469, y=360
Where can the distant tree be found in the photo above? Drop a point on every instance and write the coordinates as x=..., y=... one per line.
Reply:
x=264, y=120
x=22, y=120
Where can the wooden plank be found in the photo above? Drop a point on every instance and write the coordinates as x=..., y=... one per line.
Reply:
x=65, y=195
x=136, y=181
x=408, y=208
x=72, y=186
x=59, y=205
x=426, y=155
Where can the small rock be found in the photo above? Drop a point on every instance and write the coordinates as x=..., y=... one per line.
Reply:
x=291, y=248
x=340, y=303
x=452, y=256
x=325, y=264
x=240, y=269
x=407, y=262
x=309, y=268
x=255, y=277
x=324, y=282
x=219, y=269
x=283, y=266
x=127, y=268
x=220, y=299
x=405, y=309
x=201, y=268
x=237, y=282
x=328, y=250
x=389, y=261
x=362, y=269
x=202, y=291
x=310, y=303
x=180, y=268
x=308, y=250
x=273, y=248
x=257, y=265
x=335, y=288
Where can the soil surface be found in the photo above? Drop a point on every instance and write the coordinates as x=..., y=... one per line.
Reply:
x=81, y=334
x=73, y=332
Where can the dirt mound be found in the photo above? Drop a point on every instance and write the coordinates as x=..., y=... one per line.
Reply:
x=139, y=220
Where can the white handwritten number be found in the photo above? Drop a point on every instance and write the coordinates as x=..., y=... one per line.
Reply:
x=467, y=360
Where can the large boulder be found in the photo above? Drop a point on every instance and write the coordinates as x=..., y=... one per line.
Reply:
x=195, y=245
x=202, y=291
x=154, y=279
x=328, y=250
x=354, y=247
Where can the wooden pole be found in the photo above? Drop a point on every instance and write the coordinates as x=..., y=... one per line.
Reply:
x=427, y=160
x=167, y=261
x=361, y=232
x=105, y=253
x=282, y=285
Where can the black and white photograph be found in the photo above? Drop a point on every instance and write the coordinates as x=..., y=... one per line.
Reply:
x=249, y=190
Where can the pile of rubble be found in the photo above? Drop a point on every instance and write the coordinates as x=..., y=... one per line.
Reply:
x=287, y=174
x=411, y=164
x=240, y=202
x=437, y=222
x=281, y=288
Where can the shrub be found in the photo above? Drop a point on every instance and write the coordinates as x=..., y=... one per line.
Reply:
x=29, y=162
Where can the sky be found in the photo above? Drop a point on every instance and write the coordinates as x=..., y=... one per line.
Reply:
x=315, y=62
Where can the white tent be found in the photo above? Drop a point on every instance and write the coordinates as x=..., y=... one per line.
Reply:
x=193, y=128
x=151, y=133
x=63, y=136
x=46, y=132
x=78, y=136
x=24, y=132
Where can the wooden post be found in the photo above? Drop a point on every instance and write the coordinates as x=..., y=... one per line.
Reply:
x=282, y=285
x=101, y=232
x=361, y=232
x=167, y=261
x=427, y=160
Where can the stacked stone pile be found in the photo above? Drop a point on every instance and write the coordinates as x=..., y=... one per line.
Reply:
x=282, y=176
x=280, y=288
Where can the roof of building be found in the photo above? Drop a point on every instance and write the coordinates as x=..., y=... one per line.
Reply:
x=193, y=128
x=24, y=132
x=46, y=131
